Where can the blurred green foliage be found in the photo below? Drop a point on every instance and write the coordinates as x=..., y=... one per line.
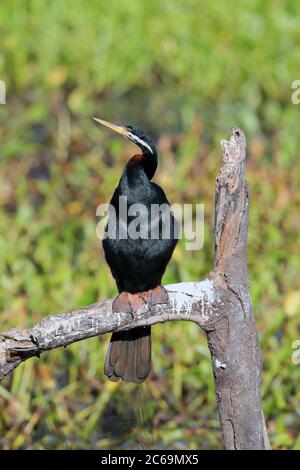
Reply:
x=185, y=71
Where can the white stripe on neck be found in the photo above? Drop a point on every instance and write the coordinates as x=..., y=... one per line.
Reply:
x=140, y=141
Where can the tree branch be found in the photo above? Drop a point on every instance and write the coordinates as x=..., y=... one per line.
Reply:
x=233, y=342
x=187, y=301
x=220, y=305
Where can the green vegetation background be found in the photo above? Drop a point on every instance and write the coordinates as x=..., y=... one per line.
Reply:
x=186, y=71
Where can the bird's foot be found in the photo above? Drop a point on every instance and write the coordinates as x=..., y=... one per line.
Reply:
x=155, y=296
x=127, y=302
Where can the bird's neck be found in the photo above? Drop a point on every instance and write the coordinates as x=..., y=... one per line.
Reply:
x=139, y=170
x=150, y=161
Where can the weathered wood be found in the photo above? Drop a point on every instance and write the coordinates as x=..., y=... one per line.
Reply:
x=233, y=342
x=195, y=301
x=221, y=306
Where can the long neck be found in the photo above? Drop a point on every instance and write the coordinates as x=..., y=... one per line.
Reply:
x=139, y=170
x=149, y=161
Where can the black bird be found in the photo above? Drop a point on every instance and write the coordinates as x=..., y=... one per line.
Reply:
x=137, y=263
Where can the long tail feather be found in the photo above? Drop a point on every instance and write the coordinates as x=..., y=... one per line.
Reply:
x=129, y=355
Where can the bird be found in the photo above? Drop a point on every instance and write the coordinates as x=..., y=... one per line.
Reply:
x=137, y=263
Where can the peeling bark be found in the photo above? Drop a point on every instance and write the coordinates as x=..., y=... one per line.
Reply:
x=221, y=306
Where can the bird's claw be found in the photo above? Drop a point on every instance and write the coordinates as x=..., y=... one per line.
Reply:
x=127, y=302
x=155, y=296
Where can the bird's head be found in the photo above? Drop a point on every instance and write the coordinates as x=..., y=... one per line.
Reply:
x=136, y=135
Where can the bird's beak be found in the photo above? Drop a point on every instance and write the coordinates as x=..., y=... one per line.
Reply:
x=119, y=129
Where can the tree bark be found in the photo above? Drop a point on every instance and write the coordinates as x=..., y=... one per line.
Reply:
x=220, y=305
x=232, y=339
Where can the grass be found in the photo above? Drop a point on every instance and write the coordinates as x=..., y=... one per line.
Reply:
x=185, y=71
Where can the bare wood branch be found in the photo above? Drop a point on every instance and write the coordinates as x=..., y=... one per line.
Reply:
x=199, y=302
x=233, y=342
x=220, y=305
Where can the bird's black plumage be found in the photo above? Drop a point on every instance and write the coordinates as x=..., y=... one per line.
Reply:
x=137, y=264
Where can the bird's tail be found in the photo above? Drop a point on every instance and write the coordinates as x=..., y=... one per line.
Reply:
x=129, y=355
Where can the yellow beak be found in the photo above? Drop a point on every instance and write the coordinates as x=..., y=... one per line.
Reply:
x=119, y=129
